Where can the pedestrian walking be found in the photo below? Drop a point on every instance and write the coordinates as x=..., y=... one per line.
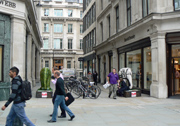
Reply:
x=113, y=79
x=60, y=99
x=63, y=113
x=17, y=108
x=95, y=77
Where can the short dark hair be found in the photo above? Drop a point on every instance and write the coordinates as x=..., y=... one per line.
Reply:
x=58, y=73
x=15, y=69
x=114, y=68
x=55, y=68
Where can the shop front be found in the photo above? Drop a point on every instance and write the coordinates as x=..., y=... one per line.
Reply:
x=173, y=63
x=137, y=56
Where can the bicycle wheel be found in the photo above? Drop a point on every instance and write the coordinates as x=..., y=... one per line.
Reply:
x=76, y=92
x=94, y=92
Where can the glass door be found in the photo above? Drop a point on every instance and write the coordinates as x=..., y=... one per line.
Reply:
x=175, y=76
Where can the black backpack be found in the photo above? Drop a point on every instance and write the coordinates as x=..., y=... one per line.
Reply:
x=26, y=93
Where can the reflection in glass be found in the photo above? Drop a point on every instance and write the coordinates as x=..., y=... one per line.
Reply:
x=134, y=62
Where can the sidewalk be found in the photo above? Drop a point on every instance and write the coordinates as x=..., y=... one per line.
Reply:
x=141, y=111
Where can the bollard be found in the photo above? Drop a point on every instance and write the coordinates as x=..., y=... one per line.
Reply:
x=17, y=122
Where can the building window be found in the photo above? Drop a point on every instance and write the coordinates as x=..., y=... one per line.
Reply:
x=109, y=22
x=46, y=63
x=93, y=38
x=58, y=28
x=45, y=43
x=102, y=4
x=128, y=12
x=101, y=25
x=58, y=13
x=1, y=63
x=80, y=1
x=58, y=43
x=81, y=29
x=68, y=64
x=145, y=7
x=46, y=12
x=70, y=28
x=133, y=61
x=69, y=43
x=80, y=64
x=176, y=4
x=46, y=27
x=117, y=18
x=81, y=44
x=81, y=14
x=70, y=13
x=147, y=68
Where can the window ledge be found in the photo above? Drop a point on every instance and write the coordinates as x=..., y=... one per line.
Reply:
x=58, y=32
x=46, y=32
x=70, y=33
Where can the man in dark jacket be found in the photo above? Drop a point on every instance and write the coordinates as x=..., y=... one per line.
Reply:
x=60, y=99
x=122, y=87
x=95, y=77
x=17, y=108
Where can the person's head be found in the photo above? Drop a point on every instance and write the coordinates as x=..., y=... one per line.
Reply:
x=114, y=70
x=55, y=69
x=13, y=72
x=121, y=79
x=56, y=74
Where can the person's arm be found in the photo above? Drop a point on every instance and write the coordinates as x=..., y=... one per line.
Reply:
x=108, y=78
x=15, y=87
x=53, y=81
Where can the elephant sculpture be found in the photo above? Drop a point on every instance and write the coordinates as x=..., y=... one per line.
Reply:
x=126, y=74
x=45, y=77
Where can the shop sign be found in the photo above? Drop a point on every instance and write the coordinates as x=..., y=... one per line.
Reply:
x=129, y=38
x=7, y=3
x=44, y=94
x=133, y=94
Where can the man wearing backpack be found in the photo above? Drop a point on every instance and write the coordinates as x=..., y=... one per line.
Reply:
x=17, y=108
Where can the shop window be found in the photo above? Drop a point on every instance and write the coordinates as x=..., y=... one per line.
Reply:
x=176, y=5
x=175, y=50
x=134, y=62
x=147, y=68
x=121, y=60
x=1, y=63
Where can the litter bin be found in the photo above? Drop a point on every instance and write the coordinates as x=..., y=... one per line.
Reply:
x=17, y=122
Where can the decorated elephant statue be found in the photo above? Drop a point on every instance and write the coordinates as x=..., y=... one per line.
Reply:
x=45, y=77
x=126, y=74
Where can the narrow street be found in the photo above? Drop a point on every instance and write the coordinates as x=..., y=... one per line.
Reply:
x=141, y=111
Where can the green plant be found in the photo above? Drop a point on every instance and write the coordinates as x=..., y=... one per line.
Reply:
x=45, y=77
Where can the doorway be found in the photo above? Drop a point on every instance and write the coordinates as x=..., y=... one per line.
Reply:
x=58, y=63
x=173, y=69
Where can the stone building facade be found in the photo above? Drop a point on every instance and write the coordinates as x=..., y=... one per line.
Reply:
x=61, y=28
x=20, y=42
x=142, y=35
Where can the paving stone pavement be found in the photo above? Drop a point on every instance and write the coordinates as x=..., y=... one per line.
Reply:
x=140, y=111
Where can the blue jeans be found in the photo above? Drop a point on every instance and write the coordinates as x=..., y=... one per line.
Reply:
x=60, y=100
x=18, y=110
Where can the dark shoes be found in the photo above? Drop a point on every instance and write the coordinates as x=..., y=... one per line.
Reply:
x=61, y=116
x=109, y=96
x=51, y=121
x=71, y=119
x=114, y=98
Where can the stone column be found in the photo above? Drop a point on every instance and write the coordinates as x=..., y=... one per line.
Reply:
x=33, y=65
x=102, y=69
x=158, y=87
x=115, y=59
x=38, y=66
x=107, y=65
x=18, y=45
x=65, y=63
x=29, y=56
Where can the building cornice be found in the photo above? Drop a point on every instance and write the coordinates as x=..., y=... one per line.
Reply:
x=62, y=6
x=149, y=19
x=62, y=19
